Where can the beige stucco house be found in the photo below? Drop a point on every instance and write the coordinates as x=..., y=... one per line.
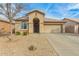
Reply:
x=36, y=22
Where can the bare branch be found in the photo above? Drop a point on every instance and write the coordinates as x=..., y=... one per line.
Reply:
x=10, y=10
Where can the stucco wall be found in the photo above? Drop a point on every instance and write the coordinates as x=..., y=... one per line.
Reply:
x=41, y=19
x=52, y=28
x=18, y=27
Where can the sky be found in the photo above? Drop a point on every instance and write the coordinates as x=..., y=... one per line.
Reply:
x=55, y=10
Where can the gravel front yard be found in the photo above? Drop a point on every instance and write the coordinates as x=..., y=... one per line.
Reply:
x=19, y=46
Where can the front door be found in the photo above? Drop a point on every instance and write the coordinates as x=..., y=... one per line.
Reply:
x=36, y=25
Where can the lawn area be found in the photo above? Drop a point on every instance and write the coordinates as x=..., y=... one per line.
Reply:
x=19, y=46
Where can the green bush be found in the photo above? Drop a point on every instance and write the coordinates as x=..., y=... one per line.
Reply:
x=24, y=33
x=18, y=33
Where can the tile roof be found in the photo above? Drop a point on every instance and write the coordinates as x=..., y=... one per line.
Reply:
x=53, y=20
x=36, y=11
x=22, y=18
x=7, y=21
x=46, y=19
x=72, y=19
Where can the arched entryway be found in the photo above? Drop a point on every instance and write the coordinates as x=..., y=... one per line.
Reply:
x=36, y=25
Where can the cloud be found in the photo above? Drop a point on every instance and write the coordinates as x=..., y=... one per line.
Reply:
x=73, y=10
x=74, y=6
x=48, y=7
x=55, y=10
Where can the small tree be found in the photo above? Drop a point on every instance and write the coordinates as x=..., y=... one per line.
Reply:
x=10, y=11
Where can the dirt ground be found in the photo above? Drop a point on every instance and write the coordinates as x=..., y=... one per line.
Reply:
x=19, y=46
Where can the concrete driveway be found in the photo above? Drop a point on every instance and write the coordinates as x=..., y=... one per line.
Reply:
x=65, y=44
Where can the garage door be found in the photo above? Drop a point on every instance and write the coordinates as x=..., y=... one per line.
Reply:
x=69, y=28
x=52, y=28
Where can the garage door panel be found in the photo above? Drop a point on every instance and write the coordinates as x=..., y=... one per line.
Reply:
x=52, y=28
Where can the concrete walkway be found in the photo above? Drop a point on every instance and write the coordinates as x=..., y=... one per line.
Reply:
x=65, y=44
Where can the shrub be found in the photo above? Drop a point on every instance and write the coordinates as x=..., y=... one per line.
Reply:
x=32, y=48
x=24, y=33
x=18, y=33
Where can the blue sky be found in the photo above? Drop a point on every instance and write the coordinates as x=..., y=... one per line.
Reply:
x=55, y=10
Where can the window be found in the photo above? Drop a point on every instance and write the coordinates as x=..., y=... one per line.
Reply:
x=24, y=25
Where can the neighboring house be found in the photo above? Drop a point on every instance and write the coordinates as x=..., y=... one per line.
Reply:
x=5, y=26
x=71, y=25
x=35, y=22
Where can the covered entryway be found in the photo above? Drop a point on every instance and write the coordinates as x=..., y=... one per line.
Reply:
x=36, y=25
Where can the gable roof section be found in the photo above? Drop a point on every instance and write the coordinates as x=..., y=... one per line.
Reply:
x=25, y=18
x=36, y=11
x=6, y=21
x=48, y=20
x=72, y=19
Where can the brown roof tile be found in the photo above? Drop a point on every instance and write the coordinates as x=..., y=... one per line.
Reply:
x=36, y=11
x=22, y=18
x=72, y=19
x=6, y=21
x=48, y=20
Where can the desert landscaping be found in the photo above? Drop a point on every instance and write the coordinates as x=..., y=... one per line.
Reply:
x=20, y=45
x=53, y=44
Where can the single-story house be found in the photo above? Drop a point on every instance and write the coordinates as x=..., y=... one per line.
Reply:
x=36, y=22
